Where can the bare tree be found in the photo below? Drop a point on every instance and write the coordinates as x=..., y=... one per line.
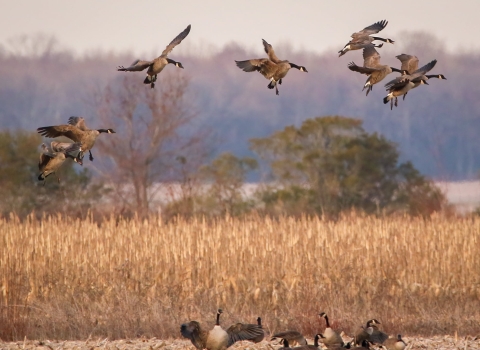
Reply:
x=155, y=139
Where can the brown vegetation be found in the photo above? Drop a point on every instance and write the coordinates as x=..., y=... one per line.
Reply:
x=64, y=278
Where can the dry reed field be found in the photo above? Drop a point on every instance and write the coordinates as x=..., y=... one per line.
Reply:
x=72, y=279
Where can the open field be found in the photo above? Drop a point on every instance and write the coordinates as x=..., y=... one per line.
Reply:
x=64, y=278
x=436, y=342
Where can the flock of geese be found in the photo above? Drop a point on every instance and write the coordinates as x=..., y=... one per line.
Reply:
x=271, y=67
x=218, y=338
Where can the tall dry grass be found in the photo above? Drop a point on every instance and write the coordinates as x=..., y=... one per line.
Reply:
x=66, y=278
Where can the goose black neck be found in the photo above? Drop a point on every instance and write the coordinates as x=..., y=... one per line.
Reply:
x=218, y=319
x=285, y=343
x=315, y=341
x=396, y=70
x=378, y=38
x=169, y=60
x=102, y=130
x=326, y=320
x=259, y=321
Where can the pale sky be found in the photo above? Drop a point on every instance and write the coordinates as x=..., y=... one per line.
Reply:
x=145, y=26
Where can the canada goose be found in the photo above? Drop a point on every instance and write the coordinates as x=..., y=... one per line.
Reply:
x=404, y=83
x=77, y=131
x=362, y=38
x=156, y=65
x=64, y=146
x=395, y=343
x=271, y=68
x=376, y=72
x=371, y=333
x=217, y=338
x=310, y=347
x=51, y=160
x=291, y=336
x=330, y=337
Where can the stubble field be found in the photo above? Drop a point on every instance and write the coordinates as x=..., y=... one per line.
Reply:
x=69, y=279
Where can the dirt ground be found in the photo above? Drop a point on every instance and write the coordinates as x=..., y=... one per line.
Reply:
x=437, y=342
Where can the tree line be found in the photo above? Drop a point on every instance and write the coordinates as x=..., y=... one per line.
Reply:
x=325, y=166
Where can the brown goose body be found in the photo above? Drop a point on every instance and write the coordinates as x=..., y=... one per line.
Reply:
x=293, y=337
x=52, y=159
x=395, y=343
x=309, y=346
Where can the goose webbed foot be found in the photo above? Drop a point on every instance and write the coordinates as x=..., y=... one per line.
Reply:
x=90, y=156
x=405, y=96
x=391, y=104
x=152, y=85
x=396, y=101
x=280, y=81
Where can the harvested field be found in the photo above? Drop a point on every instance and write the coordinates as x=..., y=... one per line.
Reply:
x=64, y=278
x=437, y=342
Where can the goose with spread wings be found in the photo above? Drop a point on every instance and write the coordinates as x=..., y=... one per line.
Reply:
x=218, y=338
x=77, y=131
x=156, y=65
x=271, y=68
x=363, y=38
x=372, y=67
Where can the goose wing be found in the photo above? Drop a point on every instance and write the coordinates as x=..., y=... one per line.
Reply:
x=254, y=64
x=378, y=336
x=363, y=70
x=241, y=331
x=270, y=52
x=136, y=66
x=424, y=69
x=409, y=62
x=178, y=39
x=70, y=131
x=66, y=147
x=79, y=122
x=371, y=29
x=371, y=57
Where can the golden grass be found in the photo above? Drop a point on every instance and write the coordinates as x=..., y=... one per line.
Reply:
x=66, y=278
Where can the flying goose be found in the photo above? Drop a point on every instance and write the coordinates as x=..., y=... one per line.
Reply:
x=371, y=66
x=362, y=38
x=330, y=337
x=410, y=65
x=370, y=332
x=51, y=160
x=217, y=338
x=271, y=68
x=404, y=83
x=77, y=131
x=156, y=65
x=395, y=343
x=291, y=336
